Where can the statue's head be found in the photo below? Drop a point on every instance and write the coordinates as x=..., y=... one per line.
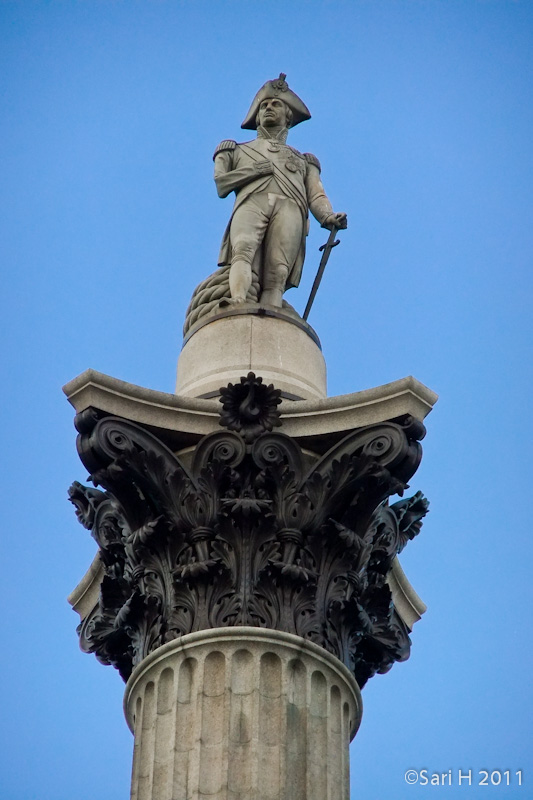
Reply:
x=273, y=112
x=287, y=101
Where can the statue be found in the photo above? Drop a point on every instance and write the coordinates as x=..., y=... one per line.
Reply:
x=276, y=186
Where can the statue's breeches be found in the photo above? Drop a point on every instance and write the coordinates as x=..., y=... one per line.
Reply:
x=274, y=221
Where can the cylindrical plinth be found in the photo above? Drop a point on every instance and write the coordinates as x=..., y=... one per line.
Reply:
x=280, y=347
x=242, y=713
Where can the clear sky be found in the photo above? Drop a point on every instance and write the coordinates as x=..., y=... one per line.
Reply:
x=422, y=119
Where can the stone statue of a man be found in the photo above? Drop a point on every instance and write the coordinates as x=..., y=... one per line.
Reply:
x=275, y=187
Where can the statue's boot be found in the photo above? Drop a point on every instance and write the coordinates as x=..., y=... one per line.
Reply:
x=271, y=297
x=274, y=282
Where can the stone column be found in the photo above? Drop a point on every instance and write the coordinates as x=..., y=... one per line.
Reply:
x=246, y=587
x=241, y=713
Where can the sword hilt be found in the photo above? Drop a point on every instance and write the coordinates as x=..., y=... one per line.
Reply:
x=333, y=244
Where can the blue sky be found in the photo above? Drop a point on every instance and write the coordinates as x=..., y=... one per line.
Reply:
x=423, y=122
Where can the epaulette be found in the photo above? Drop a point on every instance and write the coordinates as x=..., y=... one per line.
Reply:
x=226, y=144
x=295, y=151
x=311, y=159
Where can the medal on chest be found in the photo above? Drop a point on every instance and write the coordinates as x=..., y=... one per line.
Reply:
x=292, y=163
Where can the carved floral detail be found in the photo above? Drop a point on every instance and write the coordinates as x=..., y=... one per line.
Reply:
x=250, y=407
x=250, y=534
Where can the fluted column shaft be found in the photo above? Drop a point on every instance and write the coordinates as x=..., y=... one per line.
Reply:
x=241, y=713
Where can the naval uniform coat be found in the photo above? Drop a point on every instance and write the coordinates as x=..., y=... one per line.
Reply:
x=296, y=175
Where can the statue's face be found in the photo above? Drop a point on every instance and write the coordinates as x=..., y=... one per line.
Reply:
x=272, y=112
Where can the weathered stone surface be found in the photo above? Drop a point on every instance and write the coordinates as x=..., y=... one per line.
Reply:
x=407, y=603
x=240, y=713
x=181, y=421
x=276, y=347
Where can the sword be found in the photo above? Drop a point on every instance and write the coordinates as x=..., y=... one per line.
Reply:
x=327, y=248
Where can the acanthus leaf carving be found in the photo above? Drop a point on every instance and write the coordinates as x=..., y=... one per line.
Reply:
x=250, y=534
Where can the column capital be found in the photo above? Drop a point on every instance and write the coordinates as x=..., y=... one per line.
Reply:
x=248, y=528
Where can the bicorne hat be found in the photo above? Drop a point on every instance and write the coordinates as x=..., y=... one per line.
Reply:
x=280, y=89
